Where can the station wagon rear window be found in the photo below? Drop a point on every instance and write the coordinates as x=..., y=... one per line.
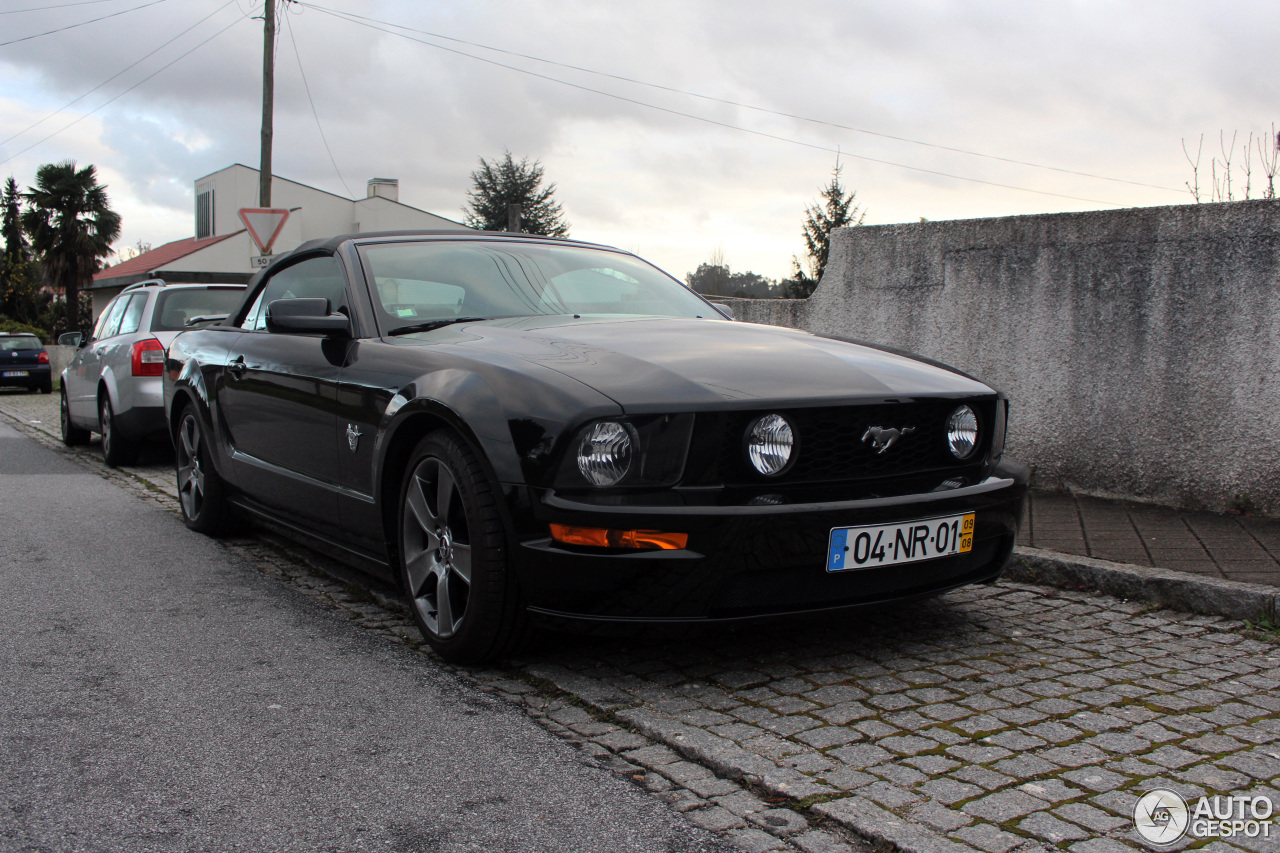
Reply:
x=175, y=307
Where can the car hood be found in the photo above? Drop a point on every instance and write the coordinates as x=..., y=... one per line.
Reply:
x=651, y=363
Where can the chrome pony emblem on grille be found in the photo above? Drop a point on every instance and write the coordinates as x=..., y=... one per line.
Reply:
x=353, y=437
x=882, y=439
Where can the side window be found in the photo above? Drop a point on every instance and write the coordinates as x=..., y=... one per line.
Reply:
x=133, y=314
x=314, y=277
x=101, y=324
x=112, y=325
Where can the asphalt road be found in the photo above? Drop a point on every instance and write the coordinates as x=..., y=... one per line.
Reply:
x=158, y=693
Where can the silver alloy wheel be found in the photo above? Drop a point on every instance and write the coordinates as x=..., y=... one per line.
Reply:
x=436, y=545
x=64, y=415
x=190, y=473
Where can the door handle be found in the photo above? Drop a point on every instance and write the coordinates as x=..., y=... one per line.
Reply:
x=237, y=367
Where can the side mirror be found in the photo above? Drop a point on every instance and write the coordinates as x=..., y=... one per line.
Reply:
x=306, y=314
x=723, y=309
x=70, y=339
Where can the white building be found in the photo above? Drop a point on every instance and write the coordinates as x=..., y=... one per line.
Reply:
x=222, y=251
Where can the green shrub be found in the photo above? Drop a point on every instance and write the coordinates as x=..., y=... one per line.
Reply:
x=7, y=325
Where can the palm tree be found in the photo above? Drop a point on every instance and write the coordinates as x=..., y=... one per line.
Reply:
x=71, y=226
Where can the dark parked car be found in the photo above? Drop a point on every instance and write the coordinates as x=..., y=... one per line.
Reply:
x=24, y=362
x=507, y=426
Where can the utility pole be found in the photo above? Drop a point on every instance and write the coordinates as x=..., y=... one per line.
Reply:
x=268, y=94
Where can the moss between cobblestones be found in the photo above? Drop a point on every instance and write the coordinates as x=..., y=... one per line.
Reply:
x=804, y=804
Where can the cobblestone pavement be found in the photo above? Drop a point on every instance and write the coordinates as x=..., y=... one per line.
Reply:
x=1000, y=718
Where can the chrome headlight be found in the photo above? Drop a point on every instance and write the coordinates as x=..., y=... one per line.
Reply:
x=606, y=451
x=770, y=442
x=962, y=432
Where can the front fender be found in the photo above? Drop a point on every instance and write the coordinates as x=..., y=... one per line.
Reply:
x=186, y=383
x=459, y=399
x=516, y=420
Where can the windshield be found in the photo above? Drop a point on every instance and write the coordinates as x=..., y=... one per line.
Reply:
x=8, y=344
x=175, y=307
x=421, y=282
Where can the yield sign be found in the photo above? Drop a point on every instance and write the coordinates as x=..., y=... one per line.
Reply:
x=264, y=225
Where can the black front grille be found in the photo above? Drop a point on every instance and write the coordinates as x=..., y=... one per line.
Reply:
x=830, y=445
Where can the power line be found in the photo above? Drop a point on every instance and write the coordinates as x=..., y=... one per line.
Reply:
x=117, y=74
x=307, y=87
x=746, y=106
x=59, y=6
x=125, y=92
x=727, y=125
x=81, y=24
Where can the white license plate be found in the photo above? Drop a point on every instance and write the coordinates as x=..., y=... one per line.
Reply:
x=874, y=545
x=15, y=373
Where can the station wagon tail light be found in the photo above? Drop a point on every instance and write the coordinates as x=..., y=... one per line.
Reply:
x=640, y=540
x=44, y=357
x=148, y=357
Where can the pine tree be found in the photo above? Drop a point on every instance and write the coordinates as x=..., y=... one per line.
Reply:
x=15, y=242
x=497, y=185
x=18, y=286
x=836, y=211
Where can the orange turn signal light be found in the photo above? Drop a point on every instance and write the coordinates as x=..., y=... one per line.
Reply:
x=597, y=537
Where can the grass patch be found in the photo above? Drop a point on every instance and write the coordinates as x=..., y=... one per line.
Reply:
x=1262, y=627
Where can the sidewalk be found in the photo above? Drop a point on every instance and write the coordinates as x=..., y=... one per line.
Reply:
x=1228, y=547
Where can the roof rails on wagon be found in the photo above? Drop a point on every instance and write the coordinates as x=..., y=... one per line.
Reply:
x=151, y=282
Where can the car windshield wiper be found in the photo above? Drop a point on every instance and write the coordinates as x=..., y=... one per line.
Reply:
x=433, y=324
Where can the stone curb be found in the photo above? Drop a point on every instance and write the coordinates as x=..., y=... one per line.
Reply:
x=879, y=825
x=1174, y=590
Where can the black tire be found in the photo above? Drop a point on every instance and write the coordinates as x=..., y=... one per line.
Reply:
x=71, y=435
x=116, y=449
x=201, y=496
x=46, y=388
x=452, y=554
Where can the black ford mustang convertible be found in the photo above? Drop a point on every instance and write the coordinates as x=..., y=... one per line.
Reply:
x=508, y=426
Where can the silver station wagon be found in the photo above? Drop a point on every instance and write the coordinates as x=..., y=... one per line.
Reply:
x=113, y=385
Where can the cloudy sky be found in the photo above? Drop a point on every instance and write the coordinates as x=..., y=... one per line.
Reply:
x=943, y=109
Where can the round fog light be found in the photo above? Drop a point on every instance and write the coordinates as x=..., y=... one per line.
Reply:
x=605, y=453
x=770, y=440
x=962, y=432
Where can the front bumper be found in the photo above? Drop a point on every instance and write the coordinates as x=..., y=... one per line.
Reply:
x=751, y=561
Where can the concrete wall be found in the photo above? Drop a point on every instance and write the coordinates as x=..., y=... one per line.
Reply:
x=1140, y=348
x=59, y=358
